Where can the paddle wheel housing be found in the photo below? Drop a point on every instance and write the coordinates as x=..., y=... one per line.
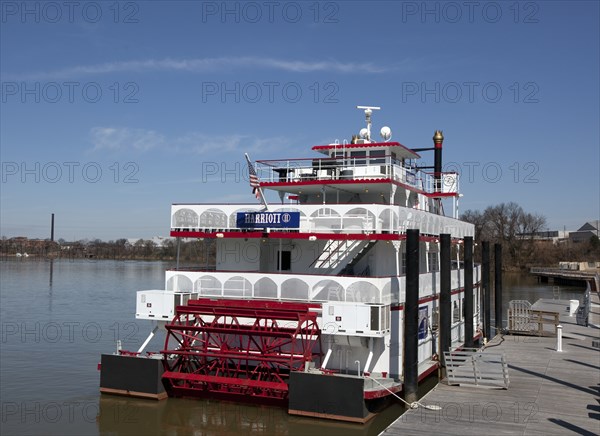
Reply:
x=239, y=348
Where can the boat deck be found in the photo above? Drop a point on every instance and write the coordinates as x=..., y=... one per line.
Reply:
x=550, y=392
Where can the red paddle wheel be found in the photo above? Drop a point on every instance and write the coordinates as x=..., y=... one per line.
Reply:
x=239, y=348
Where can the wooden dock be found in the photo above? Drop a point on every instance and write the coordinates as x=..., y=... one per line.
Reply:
x=565, y=276
x=550, y=392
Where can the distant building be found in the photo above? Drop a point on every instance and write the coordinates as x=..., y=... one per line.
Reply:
x=22, y=243
x=579, y=266
x=585, y=232
x=554, y=236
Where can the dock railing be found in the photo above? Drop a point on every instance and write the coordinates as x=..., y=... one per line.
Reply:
x=526, y=321
x=472, y=366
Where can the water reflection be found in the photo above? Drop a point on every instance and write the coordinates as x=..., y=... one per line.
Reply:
x=174, y=416
x=50, y=285
x=518, y=286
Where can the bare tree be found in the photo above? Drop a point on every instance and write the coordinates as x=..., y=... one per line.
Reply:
x=510, y=225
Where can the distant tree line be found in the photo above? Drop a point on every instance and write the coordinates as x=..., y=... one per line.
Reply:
x=514, y=228
x=190, y=250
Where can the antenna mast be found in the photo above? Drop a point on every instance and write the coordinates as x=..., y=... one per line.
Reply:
x=368, y=111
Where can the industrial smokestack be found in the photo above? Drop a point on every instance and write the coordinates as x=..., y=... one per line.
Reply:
x=438, y=139
x=52, y=229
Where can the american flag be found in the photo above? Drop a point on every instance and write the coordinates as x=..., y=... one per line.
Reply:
x=254, y=183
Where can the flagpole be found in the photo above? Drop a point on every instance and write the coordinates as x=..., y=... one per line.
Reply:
x=263, y=199
x=252, y=172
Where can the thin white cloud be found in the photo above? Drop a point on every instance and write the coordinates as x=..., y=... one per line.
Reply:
x=125, y=139
x=118, y=139
x=203, y=65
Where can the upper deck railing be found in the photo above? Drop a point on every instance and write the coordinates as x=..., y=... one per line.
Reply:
x=322, y=218
x=355, y=168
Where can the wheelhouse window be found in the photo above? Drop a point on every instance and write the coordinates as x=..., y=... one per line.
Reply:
x=377, y=157
x=358, y=157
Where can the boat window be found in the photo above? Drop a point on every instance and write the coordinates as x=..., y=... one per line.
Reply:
x=355, y=155
x=379, y=154
x=433, y=261
x=339, y=158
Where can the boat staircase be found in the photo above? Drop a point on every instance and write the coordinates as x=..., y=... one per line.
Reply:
x=239, y=349
x=349, y=268
x=338, y=255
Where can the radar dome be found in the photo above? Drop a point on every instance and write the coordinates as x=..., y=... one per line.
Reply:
x=386, y=133
x=363, y=133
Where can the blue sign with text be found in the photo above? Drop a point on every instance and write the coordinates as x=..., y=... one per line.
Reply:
x=273, y=220
x=423, y=321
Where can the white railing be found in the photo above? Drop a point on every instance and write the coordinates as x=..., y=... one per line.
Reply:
x=302, y=287
x=323, y=218
x=355, y=168
x=305, y=287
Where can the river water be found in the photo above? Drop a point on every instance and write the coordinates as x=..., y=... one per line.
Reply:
x=57, y=318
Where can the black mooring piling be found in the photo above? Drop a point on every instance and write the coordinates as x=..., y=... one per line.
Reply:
x=411, y=317
x=468, y=291
x=498, y=286
x=485, y=287
x=445, y=294
x=52, y=229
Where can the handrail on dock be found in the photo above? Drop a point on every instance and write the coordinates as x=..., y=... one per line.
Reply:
x=526, y=321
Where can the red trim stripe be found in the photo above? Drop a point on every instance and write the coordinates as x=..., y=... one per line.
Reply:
x=298, y=235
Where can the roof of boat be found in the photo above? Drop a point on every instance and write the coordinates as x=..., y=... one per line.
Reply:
x=401, y=150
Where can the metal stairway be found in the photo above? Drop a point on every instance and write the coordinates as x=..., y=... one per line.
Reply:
x=349, y=268
x=336, y=255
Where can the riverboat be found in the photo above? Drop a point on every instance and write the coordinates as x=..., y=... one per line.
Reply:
x=305, y=304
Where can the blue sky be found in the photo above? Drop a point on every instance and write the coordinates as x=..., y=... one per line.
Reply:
x=111, y=111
